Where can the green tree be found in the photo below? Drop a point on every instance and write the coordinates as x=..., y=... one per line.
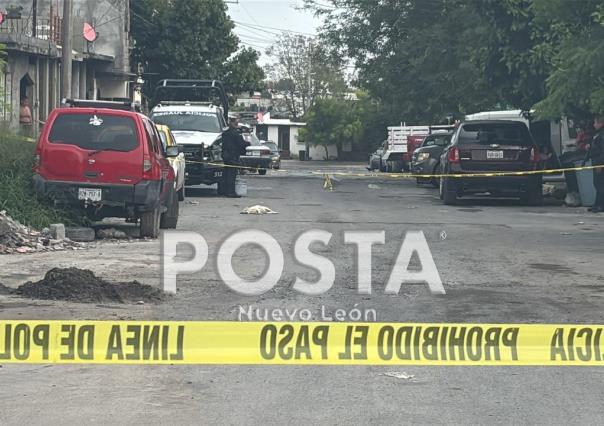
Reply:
x=420, y=60
x=331, y=122
x=374, y=119
x=424, y=59
x=575, y=86
x=517, y=51
x=192, y=40
x=302, y=72
x=241, y=72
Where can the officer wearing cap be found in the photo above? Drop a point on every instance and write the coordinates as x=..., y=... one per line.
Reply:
x=233, y=145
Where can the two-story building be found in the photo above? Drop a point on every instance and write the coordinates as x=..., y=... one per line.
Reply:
x=32, y=40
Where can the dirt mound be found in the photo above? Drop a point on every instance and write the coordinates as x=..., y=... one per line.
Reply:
x=4, y=290
x=81, y=285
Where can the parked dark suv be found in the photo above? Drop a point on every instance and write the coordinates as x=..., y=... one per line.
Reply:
x=109, y=161
x=426, y=158
x=491, y=146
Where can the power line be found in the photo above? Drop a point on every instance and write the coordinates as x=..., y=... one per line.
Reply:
x=255, y=40
x=272, y=28
x=254, y=35
x=144, y=20
x=249, y=14
x=261, y=48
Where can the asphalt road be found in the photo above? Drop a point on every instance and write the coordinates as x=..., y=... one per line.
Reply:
x=500, y=262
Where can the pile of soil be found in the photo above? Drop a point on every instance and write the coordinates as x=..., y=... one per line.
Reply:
x=81, y=285
x=4, y=290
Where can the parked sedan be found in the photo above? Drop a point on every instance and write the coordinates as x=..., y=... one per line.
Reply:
x=491, y=146
x=257, y=156
x=375, y=159
x=275, y=154
x=426, y=158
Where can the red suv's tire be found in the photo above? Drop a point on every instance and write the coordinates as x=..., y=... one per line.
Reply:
x=169, y=219
x=150, y=223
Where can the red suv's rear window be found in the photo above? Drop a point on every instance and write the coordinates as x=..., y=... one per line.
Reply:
x=95, y=132
x=495, y=133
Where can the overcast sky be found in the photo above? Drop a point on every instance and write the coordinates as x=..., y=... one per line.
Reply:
x=258, y=21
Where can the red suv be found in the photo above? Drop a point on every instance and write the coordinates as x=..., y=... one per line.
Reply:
x=111, y=162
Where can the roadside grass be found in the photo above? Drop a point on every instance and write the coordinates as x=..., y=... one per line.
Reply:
x=17, y=195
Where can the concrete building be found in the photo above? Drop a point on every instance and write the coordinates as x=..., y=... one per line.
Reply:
x=284, y=133
x=100, y=69
x=254, y=102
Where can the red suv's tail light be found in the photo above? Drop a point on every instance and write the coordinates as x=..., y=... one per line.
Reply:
x=454, y=155
x=147, y=168
x=534, y=158
x=147, y=165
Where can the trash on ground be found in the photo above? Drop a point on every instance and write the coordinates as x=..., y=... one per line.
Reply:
x=398, y=375
x=258, y=209
x=241, y=187
x=193, y=202
x=548, y=189
x=111, y=233
x=81, y=285
x=554, y=190
x=572, y=199
x=17, y=238
x=373, y=186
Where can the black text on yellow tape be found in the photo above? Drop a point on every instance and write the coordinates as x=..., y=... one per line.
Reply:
x=100, y=342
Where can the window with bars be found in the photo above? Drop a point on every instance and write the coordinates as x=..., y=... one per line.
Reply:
x=6, y=96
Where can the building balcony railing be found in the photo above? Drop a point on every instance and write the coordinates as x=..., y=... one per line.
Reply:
x=44, y=29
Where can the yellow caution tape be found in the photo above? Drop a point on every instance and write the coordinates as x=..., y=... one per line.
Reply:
x=397, y=175
x=334, y=343
x=326, y=174
x=226, y=166
x=460, y=175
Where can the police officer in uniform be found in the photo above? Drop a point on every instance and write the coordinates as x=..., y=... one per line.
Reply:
x=233, y=145
x=596, y=153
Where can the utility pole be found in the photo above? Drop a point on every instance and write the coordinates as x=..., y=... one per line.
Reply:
x=34, y=21
x=66, y=33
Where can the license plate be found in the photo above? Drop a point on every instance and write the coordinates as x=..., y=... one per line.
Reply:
x=189, y=154
x=88, y=194
x=256, y=153
x=217, y=174
x=494, y=154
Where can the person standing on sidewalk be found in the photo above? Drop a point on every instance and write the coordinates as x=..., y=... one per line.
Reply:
x=596, y=152
x=26, y=120
x=233, y=145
